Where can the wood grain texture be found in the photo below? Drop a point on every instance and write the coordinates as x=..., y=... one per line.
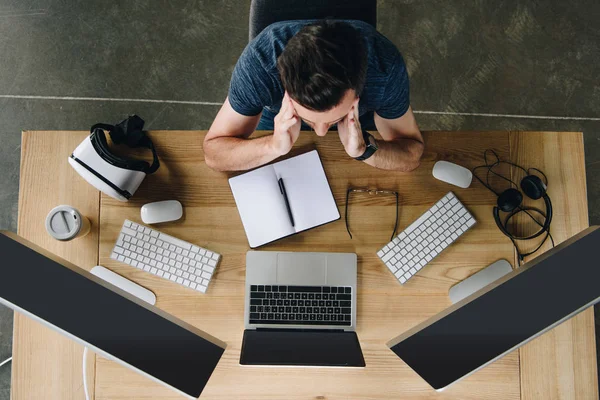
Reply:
x=559, y=364
x=46, y=365
x=385, y=308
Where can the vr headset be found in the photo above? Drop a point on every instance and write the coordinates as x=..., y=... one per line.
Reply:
x=118, y=177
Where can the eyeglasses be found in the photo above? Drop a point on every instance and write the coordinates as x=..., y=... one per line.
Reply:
x=372, y=192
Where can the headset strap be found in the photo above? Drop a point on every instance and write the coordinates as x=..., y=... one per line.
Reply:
x=130, y=132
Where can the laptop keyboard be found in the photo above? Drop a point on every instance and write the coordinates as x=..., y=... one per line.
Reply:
x=300, y=305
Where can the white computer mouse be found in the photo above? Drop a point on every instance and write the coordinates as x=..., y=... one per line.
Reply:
x=161, y=211
x=453, y=174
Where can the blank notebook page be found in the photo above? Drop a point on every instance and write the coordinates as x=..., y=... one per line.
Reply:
x=261, y=206
x=308, y=191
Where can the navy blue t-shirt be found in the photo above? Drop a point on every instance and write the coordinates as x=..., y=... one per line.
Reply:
x=256, y=86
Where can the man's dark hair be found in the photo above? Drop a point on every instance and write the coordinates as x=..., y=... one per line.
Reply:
x=321, y=62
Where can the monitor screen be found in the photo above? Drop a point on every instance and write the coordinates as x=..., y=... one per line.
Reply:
x=490, y=323
x=68, y=298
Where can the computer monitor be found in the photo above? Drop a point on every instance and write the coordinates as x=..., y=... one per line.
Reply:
x=105, y=318
x=505, y=314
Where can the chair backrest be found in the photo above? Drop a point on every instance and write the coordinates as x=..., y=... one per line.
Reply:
x=265, y=12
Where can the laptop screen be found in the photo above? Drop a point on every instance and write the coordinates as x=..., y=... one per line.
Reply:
x=98, y=316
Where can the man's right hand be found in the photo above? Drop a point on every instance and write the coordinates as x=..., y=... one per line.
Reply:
x=287, y=127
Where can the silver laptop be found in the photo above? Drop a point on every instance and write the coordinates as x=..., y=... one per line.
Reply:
x=300, y=309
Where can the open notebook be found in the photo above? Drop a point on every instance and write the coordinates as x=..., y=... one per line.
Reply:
x=262, y=206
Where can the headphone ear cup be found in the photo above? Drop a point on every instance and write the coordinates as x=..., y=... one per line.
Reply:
x=533, y=187
x=509, y=200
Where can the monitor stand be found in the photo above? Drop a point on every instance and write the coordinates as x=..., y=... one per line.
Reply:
x=124, y=284
x=479, y=280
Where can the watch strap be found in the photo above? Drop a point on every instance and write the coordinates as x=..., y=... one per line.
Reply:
x=370, y=149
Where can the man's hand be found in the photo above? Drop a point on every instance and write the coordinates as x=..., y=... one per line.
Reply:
x=351, y=134
x=287, y=127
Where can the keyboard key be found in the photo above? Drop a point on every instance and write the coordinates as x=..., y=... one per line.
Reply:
x=388, y=256
x=208, y=269
x=206, y=275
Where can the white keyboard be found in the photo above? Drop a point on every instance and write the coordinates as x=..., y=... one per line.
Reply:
x=165, y=256
x=425, y=238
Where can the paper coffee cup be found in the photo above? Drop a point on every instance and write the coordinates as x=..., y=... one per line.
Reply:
x=66, y=223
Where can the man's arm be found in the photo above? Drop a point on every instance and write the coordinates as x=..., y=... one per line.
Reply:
x=400, y=149
x=227, y=146
x=402, y=145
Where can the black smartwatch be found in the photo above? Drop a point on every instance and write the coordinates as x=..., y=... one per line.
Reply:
x=371, y=146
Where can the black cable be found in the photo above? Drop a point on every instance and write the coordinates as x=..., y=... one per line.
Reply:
x=519, y=209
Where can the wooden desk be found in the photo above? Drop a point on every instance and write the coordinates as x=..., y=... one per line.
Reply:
x=559, y=365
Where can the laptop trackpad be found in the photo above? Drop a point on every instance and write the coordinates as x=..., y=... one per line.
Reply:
x=301, y=269
x=295, y=347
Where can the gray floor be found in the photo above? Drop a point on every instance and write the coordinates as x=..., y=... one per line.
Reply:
x=520, y=57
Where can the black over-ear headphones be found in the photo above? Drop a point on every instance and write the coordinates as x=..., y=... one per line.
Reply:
x=510, y=200
x=129, y=132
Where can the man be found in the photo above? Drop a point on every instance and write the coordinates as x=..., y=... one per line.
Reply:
x=319, y=74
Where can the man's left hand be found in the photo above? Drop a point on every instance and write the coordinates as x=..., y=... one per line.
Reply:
x=351, y=133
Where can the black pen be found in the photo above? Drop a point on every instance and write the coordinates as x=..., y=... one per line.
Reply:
x=287, y=203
